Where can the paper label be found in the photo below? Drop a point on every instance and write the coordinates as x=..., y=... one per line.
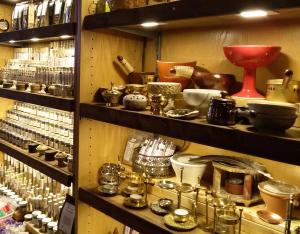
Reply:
x=185, y=71
x=45, y=7
x=57, y=9
x=39, y=10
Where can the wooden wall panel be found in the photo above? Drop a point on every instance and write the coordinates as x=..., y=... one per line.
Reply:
x=100, y=142
x=98, y=60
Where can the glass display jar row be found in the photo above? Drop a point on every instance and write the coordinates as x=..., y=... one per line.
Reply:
x=43, y=124
x=22, y=137
x=39, y=75
x=45, y=112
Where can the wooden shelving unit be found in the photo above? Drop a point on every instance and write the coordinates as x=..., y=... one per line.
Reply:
x=240, y=138
x=66, y=104
x=47, y=33
x=50, y=169
x=181, y=10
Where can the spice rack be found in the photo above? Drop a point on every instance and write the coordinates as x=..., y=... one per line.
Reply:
x=20, y=38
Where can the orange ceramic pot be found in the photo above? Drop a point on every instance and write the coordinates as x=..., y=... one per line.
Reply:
x=276, y=203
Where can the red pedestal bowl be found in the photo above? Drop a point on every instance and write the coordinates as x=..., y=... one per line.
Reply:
x=250, y=57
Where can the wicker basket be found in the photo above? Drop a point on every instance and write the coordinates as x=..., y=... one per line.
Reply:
x=125, y=4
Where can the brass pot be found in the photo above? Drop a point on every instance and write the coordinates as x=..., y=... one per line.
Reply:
x=277, y=92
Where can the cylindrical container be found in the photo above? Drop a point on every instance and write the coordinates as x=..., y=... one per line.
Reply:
x=34, y=217
x=28, y=217
x=45, y=222
x=277, y=92
x=35, y=88
x=50, y=227
x=221, y=111
x=21, y=86
x=50, y=155
x=40, y=218
x=70, y=163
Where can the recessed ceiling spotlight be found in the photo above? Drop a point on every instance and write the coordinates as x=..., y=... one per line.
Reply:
x=65, y=36
x=11, y=41
x=35, y=39
x=253, y=13
x=149, y=24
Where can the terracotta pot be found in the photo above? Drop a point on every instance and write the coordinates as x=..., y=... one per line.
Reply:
x=276, y=196
x=275, y=203
x=164, y=67
x=233, y=188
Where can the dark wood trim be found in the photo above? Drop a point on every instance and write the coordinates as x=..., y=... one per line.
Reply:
x=48, y=168
x=78, y=9
x=42, y=32
x=133, y=219
x=66, y=104
x=179, y=10
x=240, y=138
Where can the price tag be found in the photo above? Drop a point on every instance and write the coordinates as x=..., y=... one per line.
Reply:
x=67, y=216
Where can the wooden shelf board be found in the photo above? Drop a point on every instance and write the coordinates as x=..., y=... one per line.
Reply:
x=187, y=10
x=283, y=147
x=143, y=221
x=49, y=32
x=50, y=169
x=66, y=104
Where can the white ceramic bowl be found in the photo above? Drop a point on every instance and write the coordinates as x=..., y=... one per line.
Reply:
x=191, y=171
x=200, y=98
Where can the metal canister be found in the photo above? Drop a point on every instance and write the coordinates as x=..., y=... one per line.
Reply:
x=277, y=92
x=222, y=110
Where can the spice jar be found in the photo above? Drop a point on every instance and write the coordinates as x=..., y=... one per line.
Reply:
x=40, y=218
x=222, y=110
x=70, y=163
x=50, y=227
x=35, y=214
x=28, y=217
x=45, y=222
x=60, y=157
x=20, y=212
